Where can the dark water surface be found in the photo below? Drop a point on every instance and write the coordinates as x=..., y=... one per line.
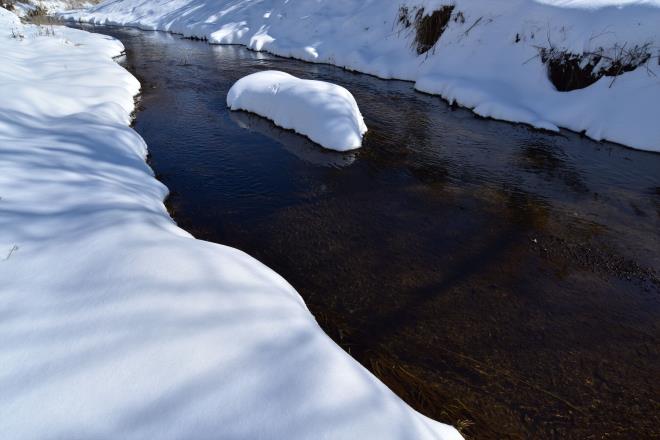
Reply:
x=497, y=278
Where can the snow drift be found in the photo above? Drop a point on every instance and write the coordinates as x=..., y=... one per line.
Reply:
x=495, y=57
x=324, y=112
x=115, y=323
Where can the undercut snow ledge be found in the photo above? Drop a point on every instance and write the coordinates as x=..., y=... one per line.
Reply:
x=324, y=112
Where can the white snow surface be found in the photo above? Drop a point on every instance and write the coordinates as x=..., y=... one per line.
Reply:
x=23, y=8
x=324, y=112
x=115, y=323
x=487, y=59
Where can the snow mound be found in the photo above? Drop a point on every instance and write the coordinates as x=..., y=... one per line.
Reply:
x=494, y=57
x=324, y=112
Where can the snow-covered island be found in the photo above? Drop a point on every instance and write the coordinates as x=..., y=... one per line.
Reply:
x=118, y=324
x=324, y=112
x=591, y=66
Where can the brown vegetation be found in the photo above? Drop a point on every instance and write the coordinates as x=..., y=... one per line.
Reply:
x=569, y=71
x=428, y=27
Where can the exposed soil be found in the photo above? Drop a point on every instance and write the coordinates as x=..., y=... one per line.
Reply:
x=428, y=27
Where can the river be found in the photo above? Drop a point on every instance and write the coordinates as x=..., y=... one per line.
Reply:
x=498, y=278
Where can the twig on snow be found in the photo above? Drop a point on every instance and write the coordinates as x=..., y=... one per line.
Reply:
x=11, y=251
x=473, y=25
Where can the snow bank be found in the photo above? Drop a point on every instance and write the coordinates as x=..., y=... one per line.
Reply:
x=487, y=55
x=326, y=113
x=115, y=323
x=24, y=8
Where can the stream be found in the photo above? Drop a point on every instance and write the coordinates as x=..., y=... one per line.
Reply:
x=498, y=278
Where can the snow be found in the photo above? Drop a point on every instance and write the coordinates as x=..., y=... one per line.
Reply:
x=8, y=20
x=115, y=323
x=23, y=8
x=324, y=112
x=487, y=59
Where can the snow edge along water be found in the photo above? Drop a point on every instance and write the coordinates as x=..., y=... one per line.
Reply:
x=118, y=316
x=495, y=58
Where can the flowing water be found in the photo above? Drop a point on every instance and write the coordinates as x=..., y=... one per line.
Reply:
x=498, y=278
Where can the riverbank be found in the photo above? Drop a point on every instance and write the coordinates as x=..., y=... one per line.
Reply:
x=590, y=66
x=119, y=324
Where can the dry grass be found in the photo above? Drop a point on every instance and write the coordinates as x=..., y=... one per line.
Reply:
x=8, y=4
x=38, y=11
x=569, y=71
x=426, y=397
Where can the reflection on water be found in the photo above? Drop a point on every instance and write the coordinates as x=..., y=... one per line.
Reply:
x=497, y=278
x=299, y=146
